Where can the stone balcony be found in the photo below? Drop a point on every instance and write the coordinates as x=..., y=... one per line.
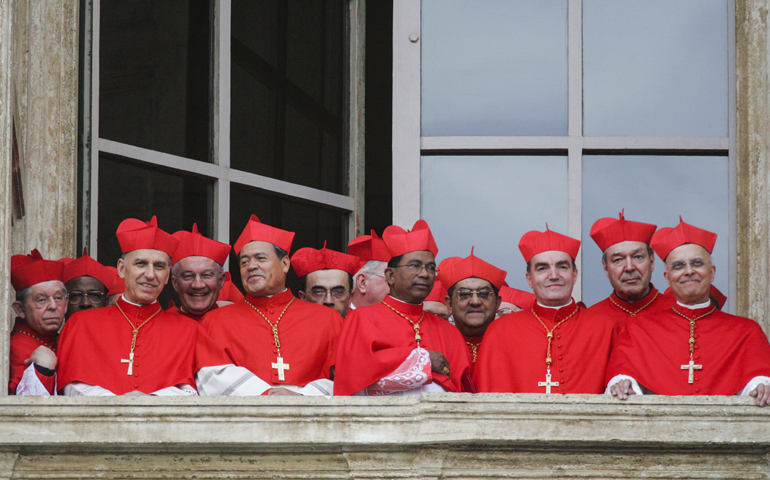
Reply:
x=438, y=436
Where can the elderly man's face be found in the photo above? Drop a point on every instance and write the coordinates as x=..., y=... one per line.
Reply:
x=506, y=308
x=689, y=273
x=474, y=305
x=198, y=281
x=412, y=280
x=328, y=287
x=629, y=267
x=85, y=293
x=262, y=272
x=146, y=271
x=552, y=276
x=44, y=310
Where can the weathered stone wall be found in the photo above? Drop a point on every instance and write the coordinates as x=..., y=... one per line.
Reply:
x=442, y=436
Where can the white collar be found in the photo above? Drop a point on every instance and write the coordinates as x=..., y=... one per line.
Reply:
x=136, y=304
x=398, y=300
x=694, y=307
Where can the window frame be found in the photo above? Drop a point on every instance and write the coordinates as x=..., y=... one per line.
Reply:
x=409, y=145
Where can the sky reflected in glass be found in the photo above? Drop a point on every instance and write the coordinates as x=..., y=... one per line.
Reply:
x=494, y=67
x=654, y=189
x=489, y=202
x=655, y=68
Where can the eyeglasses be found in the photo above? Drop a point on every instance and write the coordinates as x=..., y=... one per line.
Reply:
x=416, y=268
x=464, y=295
x=43, y=300
x=694, y=263
x=95, y=296
x=319, y=293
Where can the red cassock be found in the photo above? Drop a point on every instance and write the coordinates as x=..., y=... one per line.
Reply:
x=375, y=340
x=93, y=343
x=24, y=341
x=512, y=355
x=622, y=310
x=236, y=334
x=732, y=350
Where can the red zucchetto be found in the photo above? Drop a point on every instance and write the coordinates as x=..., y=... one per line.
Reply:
x=86, y=266
x=369, y=247
x=134, y=234
x=309, y=260
x=400, y=241
x=667, y=238
x=193, y=244
x=535, y=242
x=472, y=266
x=257, y=231
x=520, y=298
x=28, y=270
x=607, y=232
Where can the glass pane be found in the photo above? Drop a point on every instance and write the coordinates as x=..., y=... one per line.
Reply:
x=312, y=224
x=288, y=91
x=155, y=75
x=494, y=67
x=655, y=68
x=130, y=190
x=490, y=202
x=654, y=189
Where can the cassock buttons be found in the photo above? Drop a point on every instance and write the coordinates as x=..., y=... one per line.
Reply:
x=697, y=390
x=561, y=370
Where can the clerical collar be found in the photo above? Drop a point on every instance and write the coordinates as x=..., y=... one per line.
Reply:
x=270, y=296
x=695, y=307
x=407, y=303
x=556, y=308
x=136, y=304
x=650, y=288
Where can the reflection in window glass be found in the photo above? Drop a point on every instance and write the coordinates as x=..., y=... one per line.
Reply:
x=288, y=91
x=494, y=67
x=155, y=75
x=490, y=202
x=130, y=190
x=655, y=68
x=657, y=190
x=312, y=224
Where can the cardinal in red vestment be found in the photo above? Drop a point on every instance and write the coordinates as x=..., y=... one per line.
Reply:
x=690, y=348
x=557, y=345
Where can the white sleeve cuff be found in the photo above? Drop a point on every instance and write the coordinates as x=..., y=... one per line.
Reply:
x=30, y=384
x=229, y=380
x=86, y=390
x=181, y=390
x=323, y=387
x=634, y=384
x=754, y=383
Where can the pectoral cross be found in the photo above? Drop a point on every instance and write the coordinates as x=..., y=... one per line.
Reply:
x=548, y=383
x=130, y=362
x=280, y=366
x=690, y=366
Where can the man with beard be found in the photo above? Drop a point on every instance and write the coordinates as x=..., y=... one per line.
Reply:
x=395, y=347
x=628, y=262
x=133, y=347
x=87, y=282
x=690, y=348
x=557, y=346
x=473, y=297
x=197, y=274
x=41, y=301
x=325, y=277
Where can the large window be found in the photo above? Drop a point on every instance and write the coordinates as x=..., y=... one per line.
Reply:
x=512, y=113
x=210, y=111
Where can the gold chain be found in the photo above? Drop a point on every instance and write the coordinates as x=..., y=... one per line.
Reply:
x=474, y=349
x=549, y=334
x=692, y=326
x=274, y=327
x=416, y=326
x=136, y=329
x=631, y=312
x=30, y=335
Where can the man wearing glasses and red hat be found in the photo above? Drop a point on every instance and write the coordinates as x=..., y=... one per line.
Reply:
x=473, y=297
x=270, y=342
x=628, y=262
x=691, y=348
x=557, y=345
x=41, y=301
x=87, y=282
x=325, y=277
x=396, y=347
x=133, y=347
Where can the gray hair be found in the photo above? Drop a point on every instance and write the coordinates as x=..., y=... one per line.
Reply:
x=24, y=294
x=369, y=269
